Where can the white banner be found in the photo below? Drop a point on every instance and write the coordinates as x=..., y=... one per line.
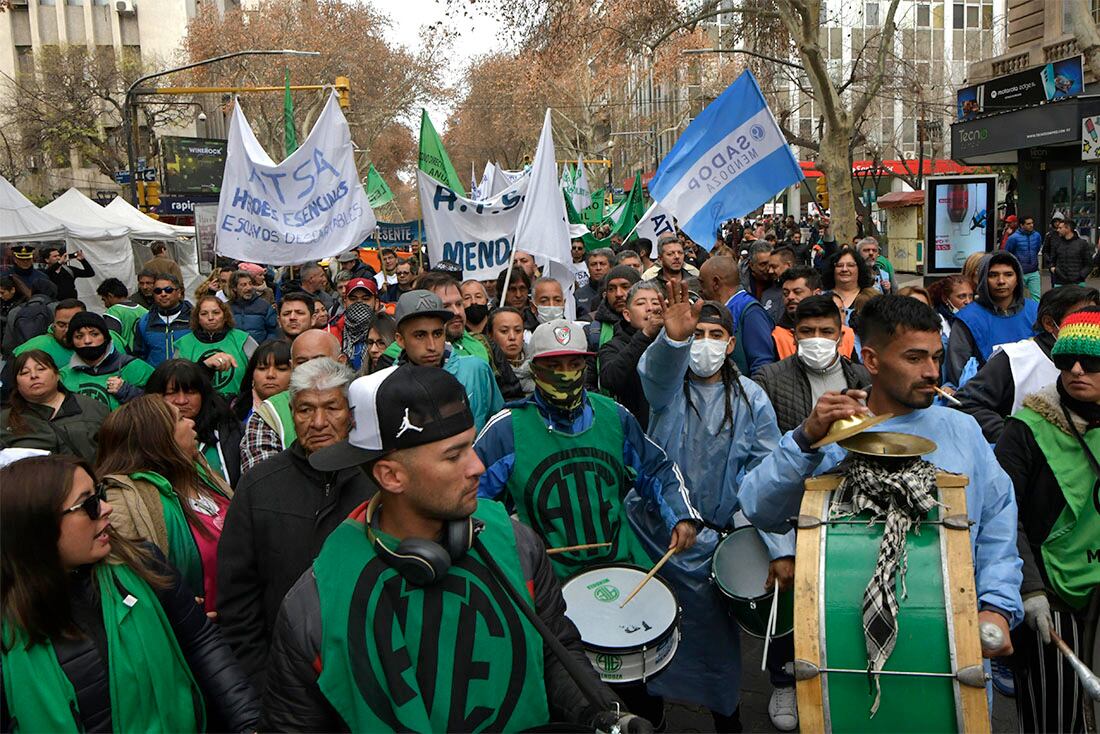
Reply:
x=478, y=235
x=654, y=223
x=309, y=207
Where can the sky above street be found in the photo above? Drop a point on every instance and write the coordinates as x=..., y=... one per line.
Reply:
x=477, y=35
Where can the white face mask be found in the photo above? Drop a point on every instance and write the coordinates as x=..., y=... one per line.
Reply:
x=549, y=313
x=707, y=356
x=817, y=353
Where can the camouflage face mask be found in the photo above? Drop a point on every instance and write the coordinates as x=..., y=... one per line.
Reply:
x=562, y=389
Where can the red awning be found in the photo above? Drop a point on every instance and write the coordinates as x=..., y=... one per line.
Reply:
x=936, y=167
x=899, y=199
x=628, y=183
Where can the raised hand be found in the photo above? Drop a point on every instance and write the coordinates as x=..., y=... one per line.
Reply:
x=681, y=315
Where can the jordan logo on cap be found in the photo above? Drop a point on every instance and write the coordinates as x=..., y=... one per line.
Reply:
x=406, y=425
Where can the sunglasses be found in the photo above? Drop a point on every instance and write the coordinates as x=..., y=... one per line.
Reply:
x=168, y=289
x=93, y=504
x=1066, y=362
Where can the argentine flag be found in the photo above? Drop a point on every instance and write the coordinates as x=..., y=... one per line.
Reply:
x=731, y=159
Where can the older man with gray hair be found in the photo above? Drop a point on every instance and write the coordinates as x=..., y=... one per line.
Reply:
x=871, y=253
x=315, y=284
x=282, y=512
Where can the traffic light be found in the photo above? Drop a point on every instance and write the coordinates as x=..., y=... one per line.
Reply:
x=140, y=187
x=343, y=92
x=152, y=194
x=822, y=192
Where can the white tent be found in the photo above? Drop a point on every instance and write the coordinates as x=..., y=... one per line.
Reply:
x=106, y=244
x=22, y=221
x=181, y=240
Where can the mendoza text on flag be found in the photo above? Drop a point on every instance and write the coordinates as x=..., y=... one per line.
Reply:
x=730, y=160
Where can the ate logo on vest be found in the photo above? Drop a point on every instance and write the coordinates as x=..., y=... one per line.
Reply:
x=563, y=494
x=456, y=647
x=220, y=378
x=95, y=392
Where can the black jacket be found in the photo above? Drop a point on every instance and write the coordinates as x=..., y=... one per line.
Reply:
x=294, y=702
x=281, y=513
x=1038, y=495
x=989, y=395
x=72, y=430
x=788, y=388
x=618, y=360
x=231, y=702
x=602, y=315
x=64, y=276
x=1072, y=260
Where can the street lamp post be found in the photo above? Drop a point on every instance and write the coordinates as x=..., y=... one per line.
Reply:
x=129, y=121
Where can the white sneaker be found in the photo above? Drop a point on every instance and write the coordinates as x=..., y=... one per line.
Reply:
x=783, y=708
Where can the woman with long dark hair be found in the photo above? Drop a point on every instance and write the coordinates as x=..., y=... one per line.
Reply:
x=44, y=415
x=267, y=373
x=949, y=296
x=163, y=490
x=217, y=344
x=186, y=385
x=99, y=635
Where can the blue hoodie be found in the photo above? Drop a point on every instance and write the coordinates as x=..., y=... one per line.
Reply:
x=1026, y=249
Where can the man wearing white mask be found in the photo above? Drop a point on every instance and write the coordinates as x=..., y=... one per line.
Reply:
x=548, y=300
x=795, y=383
x=716, y=425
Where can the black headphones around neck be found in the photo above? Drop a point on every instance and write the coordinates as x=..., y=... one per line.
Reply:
x=420, y=561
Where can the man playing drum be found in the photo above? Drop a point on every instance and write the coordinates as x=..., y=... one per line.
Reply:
x=901, y=348
x=565, y=460
x=410, y=618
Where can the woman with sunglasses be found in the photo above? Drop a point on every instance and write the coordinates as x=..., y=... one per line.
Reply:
x=216, y=344
x=186, y=385
x=1051, y=451
x=162, y=489
x=44, y=415
x=99, y=634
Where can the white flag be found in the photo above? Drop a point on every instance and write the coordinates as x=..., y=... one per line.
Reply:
x=582, y=195
x=309, y=207
x=654, y=223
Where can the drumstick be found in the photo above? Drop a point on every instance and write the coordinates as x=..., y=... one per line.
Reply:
x=568, y=548
x=773, y=617
x=947, y=396
x=1089, y=681
x=652, y=572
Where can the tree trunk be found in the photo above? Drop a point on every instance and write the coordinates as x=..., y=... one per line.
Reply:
x=835, y=161
x=1088, y=37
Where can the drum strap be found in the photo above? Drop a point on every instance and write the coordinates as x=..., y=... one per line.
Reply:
x=900, y=497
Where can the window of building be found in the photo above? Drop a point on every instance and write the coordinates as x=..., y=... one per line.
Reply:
x=74, y=2
x=959, y=16
x=870, y=14
x=1067, y=19
x=924, y=16
x=24, y=57
x=972, y=16
x=47, y=2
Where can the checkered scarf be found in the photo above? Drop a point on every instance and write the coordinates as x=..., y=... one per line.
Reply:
x=901, y=497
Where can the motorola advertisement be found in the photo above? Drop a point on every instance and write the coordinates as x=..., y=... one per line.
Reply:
x=959, y=220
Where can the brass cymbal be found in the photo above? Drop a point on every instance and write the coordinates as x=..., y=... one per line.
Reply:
x=888, y=444
x=847, y=427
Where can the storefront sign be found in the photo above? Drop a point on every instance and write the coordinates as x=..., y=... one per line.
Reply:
x=1046, y=83
x=182, y=205
x=959, y=220
x=1035, y=127
x=1090, y=138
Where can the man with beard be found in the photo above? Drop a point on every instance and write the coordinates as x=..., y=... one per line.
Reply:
x=670, y=266
x=607, y=315
x=168, y=320
x=902, y=351
x=314, y=283
x=462, y=342
x=295, y=314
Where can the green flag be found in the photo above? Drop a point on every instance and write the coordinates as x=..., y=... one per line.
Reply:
x=433, y=158
x=591, y=242
x=633, y=209
x=290, y=137
x=378, y=193
x=594, y=213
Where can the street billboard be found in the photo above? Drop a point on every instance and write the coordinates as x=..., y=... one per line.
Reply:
x=1056, y=80
x=192, y=165
x=959, y=214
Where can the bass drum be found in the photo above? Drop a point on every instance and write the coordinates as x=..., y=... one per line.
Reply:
x=624, y=644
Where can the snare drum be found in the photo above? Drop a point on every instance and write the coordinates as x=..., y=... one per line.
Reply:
x=628, y=644
x=739, y=569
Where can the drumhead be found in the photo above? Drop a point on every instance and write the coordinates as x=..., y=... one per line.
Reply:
x=740, y=564
x=592, y=600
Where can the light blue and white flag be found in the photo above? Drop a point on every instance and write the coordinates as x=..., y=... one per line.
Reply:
x=730, y=160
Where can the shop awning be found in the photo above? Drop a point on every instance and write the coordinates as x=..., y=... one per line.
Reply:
x=899, y=199
x=628, y=183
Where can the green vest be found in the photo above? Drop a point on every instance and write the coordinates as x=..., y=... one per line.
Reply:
x=454, y=656
x=61, y=354
x=469, y=345
x=393, y=351
x=151, y=686
x=275, y=412
x=1071, y=552
x=227, y=382
x=128, y=316
x=607, y=333
x=570, y=488
x=136, y=372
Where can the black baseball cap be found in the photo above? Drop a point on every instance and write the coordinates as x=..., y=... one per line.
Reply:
x=398, y=408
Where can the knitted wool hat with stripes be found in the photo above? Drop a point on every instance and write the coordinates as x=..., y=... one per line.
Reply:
x=1080, y=333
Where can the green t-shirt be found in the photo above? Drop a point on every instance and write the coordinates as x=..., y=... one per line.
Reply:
x=227, y=382
x=135, y=372
x=60, y=353
x=128, y=316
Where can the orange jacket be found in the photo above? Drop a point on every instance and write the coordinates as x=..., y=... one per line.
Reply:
x=784, y=341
